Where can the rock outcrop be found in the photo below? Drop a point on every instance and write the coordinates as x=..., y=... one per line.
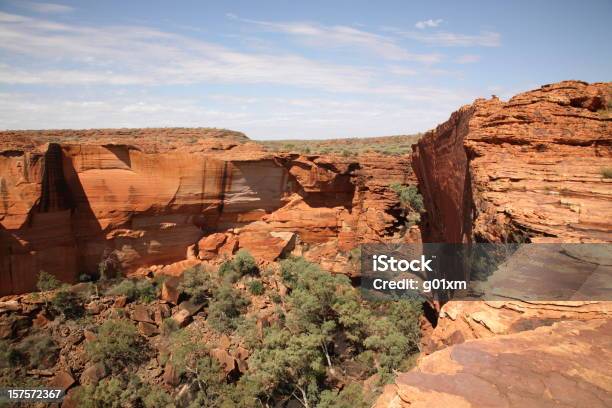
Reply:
x=67, y=203
x=563, y=365
x=528, y=168
x=532, y=169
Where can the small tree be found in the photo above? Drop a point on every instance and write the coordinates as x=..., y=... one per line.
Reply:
x=256, y=287
x=117, y=344
x=68, y=304
x=197, y=284
x=225, y=308
x=46, y=282
x=245, y=263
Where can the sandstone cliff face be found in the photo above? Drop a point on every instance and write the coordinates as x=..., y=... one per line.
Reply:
x=530, y=169
x=64, y=204
x=523, y=169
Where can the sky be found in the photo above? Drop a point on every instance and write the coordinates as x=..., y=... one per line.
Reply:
x=286, y=69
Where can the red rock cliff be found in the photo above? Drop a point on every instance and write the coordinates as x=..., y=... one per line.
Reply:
x=527, y=168
x=65, y=203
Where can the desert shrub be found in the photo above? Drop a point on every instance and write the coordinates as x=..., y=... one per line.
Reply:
x=245, y=263
x=40, y=351
x=196, y=283
x=169, y=326
x=10, y=356
x=117, y=344
x=119, y=392
x=256, y=287
x=109, y=266
x=350, y=396
x=46, y=282
x=606, y=172
x=225, y=308
x=141, y=289
x=85, y=277
x=409, y=196
x=68, y=304
x=242, y=264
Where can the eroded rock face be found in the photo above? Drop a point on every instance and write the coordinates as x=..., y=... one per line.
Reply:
x=527, y=169
x=65, y=204
x=564, y=365
x=531, y=167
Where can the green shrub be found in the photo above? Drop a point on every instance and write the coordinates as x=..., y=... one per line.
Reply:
x=196, y=283
x=351, y=396
x=117, y=344
x=141, y=289
x=225, y=308
x=606, y=172
x=256, y=287
x=39, y=349
x=245, y=263
x=169, y=326
x=68, y=304
x=122, y=392
x=46, y=282
x=409, y=196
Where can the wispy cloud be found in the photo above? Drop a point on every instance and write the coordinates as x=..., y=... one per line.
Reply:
x=45, y=8
x=342, y=36
x=448, y=39
x=428, y=23
x=122, y=68
x=467, y=59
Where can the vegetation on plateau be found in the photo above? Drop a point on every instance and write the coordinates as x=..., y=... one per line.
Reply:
x=386, y=145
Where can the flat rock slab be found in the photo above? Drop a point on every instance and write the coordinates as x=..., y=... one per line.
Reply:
x=568, y=364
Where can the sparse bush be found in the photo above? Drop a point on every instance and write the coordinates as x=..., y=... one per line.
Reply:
x=409, y=196
x=40, y=350
x=46, y=282
x=169, y=326
x=109, y=266
x=85, y=278
x=68, y=304
x=351, y=396
x=225, y=308
x=245, y=263
x=118, y=392
x=606, y=172
x=141, y=289
x=256, y=287
x=117, y=344
x=196, y=283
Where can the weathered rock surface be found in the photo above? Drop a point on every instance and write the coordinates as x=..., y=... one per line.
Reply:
x=565, y=365
x=531, y=167
x=68, y=202
x=527, y=169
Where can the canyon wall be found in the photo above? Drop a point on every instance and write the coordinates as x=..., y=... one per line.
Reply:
x=533, y=169
x=67, y=203
x=524, y=169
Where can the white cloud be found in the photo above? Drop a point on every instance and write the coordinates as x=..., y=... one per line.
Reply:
x=107, y=76
x=45, y=8
x=467, y=59
x=343, y=36
x=447, y=39
x=428, y=23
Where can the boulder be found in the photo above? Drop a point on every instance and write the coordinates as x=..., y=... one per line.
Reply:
x=93, y=374
x=170, y=292
x=63, y=380
x=148, y=329
x=142, y=313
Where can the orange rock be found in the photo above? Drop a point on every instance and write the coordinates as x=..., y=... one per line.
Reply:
x=208, y=247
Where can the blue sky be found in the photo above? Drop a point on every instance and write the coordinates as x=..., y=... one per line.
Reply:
x=286, y=69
